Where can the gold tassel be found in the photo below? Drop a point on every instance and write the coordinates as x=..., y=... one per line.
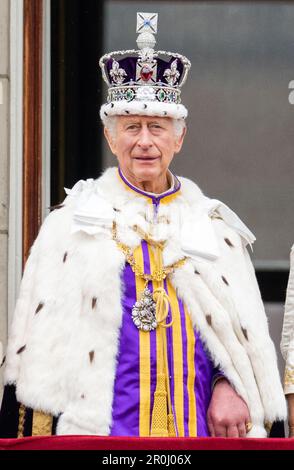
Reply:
x=159, y=426
x=162, y=423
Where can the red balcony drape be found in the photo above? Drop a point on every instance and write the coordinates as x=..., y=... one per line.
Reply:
x=126, y=443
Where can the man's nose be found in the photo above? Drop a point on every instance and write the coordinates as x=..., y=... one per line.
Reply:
x=145, y=138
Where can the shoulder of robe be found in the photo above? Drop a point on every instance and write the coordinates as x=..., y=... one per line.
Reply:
x=90, y=200
x=224, y=220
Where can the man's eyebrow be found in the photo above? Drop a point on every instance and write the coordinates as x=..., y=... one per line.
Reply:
x=132, y=123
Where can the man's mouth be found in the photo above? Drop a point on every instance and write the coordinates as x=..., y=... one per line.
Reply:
x=146, y=158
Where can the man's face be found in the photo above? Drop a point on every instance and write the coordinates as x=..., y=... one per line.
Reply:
x=144, y=146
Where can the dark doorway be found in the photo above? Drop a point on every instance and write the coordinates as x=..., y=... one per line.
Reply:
x=76, y=45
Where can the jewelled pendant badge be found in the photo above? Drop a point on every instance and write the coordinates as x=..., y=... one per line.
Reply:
x=144, y=312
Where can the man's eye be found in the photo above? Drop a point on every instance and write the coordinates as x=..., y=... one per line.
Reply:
x=132, y=127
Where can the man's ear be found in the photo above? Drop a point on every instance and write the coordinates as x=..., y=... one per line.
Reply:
x=180, y=140
x=110, y=140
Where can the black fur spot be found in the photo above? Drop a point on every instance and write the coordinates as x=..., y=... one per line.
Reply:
x=225, y=280
x=40, y=306
x=91, y=355
x=244, y=331
x=20, y=350
x=228, y=242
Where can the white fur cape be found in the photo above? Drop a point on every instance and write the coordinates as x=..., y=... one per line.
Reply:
x=62, y=349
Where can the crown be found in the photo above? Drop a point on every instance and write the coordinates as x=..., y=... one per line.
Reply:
x=144, y=81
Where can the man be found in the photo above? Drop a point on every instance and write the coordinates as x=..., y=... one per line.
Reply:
x=139, y=312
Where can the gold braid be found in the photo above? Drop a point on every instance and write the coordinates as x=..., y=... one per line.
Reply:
x=162, y=420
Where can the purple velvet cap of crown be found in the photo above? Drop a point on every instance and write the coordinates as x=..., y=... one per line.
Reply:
x=129, y=65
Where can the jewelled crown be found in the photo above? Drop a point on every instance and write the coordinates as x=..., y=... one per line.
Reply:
x=144, y=81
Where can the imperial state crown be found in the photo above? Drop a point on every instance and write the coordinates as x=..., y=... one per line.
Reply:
x=144, y=81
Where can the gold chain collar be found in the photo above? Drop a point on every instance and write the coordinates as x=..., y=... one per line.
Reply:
x=159, y=274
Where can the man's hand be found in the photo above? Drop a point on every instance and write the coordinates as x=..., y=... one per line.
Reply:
x=227, y=413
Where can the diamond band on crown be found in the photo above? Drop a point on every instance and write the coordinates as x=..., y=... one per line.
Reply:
x=151, y=93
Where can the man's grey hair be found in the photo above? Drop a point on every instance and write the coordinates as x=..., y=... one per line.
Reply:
x=110, y=122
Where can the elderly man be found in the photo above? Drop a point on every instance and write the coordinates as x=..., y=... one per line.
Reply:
x=139, y=312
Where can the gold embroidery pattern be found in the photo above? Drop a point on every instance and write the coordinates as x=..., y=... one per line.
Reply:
x=289, y=376
x=42, y=424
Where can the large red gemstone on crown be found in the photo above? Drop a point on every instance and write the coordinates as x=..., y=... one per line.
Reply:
x=146, y=73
